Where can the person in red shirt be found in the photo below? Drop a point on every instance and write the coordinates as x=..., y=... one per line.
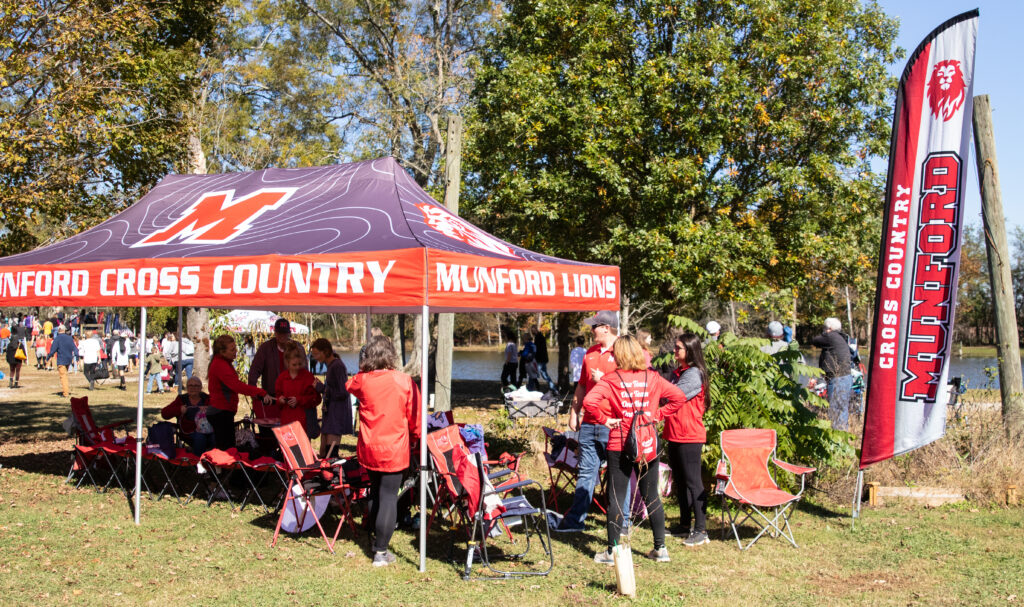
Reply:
x=593, y=436
x=295, y=387
x=685, y=436
x=612, y=403
x=389, y=404
x=225, y=387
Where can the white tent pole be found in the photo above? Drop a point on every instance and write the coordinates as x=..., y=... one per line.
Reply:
x=424, y=397
x=178, y=364
x=138, y=419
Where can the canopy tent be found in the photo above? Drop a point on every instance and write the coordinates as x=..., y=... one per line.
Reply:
x=255, y=321
x=352, y=238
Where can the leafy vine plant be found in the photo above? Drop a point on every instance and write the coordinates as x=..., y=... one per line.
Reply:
x=751, y=389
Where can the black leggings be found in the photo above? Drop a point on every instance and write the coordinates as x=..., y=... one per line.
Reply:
x=619, y=469
x=684, y=458
x=223, y=424
x=384, y=506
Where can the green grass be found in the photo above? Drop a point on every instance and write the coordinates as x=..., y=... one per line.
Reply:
x=60, y=545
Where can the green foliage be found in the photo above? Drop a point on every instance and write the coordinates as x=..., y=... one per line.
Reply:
x=751, y=389
x=92, y=95
x=709, y=148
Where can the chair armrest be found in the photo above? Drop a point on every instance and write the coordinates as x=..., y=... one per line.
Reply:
x=499, y=474
x=792, y=467
x=722, y=470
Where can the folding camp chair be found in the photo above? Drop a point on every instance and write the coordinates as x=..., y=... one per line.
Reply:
x=465, y=486
x=310, y=477
x=743, y=477
x=96, y=447
x=563, y=467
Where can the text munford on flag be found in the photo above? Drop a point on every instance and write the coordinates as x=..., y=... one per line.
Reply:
x=919, y=261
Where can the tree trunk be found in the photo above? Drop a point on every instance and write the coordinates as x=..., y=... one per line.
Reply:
x=197, y=320
x=412, y=365
x=563, y=349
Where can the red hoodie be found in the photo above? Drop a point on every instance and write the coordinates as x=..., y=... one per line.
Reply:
x=389, y=404
x=684, y=423
x=225, y=386
x=301, y=387
x=606, y=400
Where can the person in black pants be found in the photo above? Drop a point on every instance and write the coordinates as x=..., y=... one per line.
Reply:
x=631, y=392
x=685, y=436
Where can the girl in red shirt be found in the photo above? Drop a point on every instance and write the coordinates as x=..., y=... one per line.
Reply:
x=613, y=402
x=295, y=387
x=685, y=436
x=389, y=404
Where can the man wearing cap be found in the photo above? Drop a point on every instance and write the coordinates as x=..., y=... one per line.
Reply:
x=714, y=329
x=64, y=348
x=89, y=350
x=593, y=436
x=775, y=335
x=269, y=360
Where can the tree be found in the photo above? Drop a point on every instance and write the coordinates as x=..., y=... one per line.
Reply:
x=709, y=148
x=91, y=99
x=974, y=312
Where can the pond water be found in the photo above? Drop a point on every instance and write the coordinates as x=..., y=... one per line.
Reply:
x=486, y=365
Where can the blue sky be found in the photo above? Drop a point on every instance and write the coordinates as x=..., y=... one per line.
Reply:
x=999, y=70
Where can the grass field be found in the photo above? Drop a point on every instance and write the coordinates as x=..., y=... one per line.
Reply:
x=60, y=545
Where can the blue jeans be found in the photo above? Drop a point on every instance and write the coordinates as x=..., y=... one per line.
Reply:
x=201, y=442
x=542, y=370
x=593, y=439
x=186, y=367
x=153, y=378
x=839, y=401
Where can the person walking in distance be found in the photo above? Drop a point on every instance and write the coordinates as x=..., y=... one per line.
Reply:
x=598, y=361
x=89, y=350
x=63, y=348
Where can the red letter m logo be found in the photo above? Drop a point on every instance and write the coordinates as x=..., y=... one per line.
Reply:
x=215, y=218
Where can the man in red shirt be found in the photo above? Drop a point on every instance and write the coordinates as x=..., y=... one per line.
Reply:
x=593, y=436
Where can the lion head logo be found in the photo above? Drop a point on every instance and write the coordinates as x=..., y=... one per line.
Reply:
x=946, y=89
x=454, y=227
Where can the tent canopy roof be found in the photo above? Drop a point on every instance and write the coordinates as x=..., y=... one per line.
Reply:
x=355, y=237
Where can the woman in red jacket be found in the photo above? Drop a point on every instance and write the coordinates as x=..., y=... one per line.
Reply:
x=225, y=387
x=295, y=387
x=612, y=402
x=685, y=436
x=389, y=403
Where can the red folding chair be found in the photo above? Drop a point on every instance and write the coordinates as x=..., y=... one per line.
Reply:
x=743, y=478
x=96, y=447
x=310, y=477
x=465, y=488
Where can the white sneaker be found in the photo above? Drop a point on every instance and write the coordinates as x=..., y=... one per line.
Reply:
x=604, y=558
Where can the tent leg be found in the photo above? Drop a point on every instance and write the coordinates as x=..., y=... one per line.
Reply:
x=369, y=325
x=177, y=364
x=138, y=420
x=424, y=397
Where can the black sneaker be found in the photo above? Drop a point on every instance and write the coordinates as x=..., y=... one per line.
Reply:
x=683, y=532
x=697, y=538
x=383, y=559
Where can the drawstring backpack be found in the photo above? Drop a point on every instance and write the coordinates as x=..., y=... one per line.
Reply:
x=641, y=443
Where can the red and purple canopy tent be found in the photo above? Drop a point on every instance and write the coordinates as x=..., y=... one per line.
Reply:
x=352, y=238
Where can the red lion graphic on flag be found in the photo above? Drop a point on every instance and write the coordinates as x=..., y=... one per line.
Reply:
x=946, y=89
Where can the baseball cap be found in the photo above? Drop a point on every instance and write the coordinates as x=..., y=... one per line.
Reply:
x=281, y=325
x=713, y=327
x=604, y=317
x=775, y=328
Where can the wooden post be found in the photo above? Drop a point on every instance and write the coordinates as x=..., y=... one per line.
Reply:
x=1011, y=495
x=872, y=493
x=1010, y=385
x=446, y=322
